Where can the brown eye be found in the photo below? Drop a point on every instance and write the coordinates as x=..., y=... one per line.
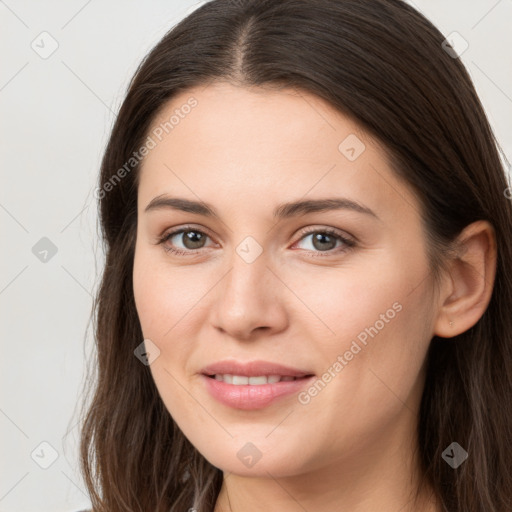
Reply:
x=323, y=241
x=190, y=239
x=326, y=240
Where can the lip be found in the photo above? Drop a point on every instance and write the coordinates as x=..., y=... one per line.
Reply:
x=253, y=369
x=249, y=397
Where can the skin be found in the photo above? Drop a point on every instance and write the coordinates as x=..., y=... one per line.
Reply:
x=244, y=151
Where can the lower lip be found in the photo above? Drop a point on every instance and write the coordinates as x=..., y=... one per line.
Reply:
x=249, y=397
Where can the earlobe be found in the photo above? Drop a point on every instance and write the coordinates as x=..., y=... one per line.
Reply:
x=471, y=274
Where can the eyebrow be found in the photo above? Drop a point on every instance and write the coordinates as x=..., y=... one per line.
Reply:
x=282, y=211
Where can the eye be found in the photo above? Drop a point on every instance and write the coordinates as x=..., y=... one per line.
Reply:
x=192, y=239
x=325, y=240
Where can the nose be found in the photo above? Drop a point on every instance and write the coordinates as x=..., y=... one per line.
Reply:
x=249, y=300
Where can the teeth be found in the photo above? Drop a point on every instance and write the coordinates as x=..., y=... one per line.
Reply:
x=240, y=380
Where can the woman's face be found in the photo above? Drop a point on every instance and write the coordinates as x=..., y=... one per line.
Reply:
x=259, y=281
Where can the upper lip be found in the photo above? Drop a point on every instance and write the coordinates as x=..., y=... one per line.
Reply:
x=252, y=369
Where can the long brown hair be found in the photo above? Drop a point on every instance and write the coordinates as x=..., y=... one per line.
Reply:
x=381, y=63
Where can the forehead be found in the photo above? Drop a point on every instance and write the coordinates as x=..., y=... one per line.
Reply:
x=246, y=143
x=285, y=122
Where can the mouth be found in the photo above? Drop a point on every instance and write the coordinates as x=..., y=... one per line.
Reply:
x=255, y=392
x=258, y=380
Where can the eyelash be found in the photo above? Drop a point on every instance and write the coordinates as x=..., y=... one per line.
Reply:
x=327, y=231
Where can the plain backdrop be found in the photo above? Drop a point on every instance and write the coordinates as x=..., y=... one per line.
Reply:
x=63, y=74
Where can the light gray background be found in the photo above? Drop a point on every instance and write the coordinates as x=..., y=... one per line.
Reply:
x=56, y=114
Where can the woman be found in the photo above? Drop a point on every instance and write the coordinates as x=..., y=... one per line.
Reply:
x=241, y=365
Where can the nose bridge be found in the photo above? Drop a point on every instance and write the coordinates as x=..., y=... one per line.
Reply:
x=248, y=272
x=247, y=298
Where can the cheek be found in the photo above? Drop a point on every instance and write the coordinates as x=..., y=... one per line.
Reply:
x=372, y=365
x=172, y=306
x=378, y=319
x=166, y=298
x=166, y=307
x=343, y=304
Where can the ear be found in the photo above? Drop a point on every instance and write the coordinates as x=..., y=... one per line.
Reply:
x=469, y=281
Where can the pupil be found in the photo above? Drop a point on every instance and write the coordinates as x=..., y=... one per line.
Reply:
x=319, y=238
x=194, y=238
